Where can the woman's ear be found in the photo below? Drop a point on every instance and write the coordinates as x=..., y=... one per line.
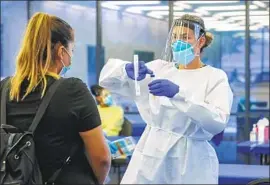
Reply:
x=202, y=41
x=60, y=52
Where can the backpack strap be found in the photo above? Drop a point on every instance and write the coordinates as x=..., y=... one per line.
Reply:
x=54, y=176
x=4, y=102
x=44, y=104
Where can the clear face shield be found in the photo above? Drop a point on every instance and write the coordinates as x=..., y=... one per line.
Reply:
x=182, y=43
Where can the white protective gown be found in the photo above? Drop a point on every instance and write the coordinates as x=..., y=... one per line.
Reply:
x=174, y=147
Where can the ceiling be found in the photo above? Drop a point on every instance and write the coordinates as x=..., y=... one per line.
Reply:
x=218, y=15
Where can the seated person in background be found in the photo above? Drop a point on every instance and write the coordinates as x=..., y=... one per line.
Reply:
x=112, y=116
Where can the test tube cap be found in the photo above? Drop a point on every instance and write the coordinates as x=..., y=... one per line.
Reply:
x=136, y=58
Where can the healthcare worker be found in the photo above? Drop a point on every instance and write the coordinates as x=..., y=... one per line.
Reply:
x=184, y=106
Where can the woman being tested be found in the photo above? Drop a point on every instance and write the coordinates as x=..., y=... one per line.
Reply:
x=71, y=118
x=184, y=103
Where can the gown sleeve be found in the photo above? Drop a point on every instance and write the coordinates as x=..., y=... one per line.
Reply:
x=212, y=114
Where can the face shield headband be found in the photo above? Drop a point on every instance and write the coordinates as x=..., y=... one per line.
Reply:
x=181, y=42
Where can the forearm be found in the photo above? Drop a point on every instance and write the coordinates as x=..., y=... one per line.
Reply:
x=101, y=169
x=98, y=153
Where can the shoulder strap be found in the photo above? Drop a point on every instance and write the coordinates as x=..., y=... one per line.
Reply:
x=54, y=176
x=4, y=102
x=44, y=104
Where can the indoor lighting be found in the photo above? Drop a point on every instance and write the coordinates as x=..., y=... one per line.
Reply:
x=136, y=11
x=207, y=2
x=252, y=34
x=147, y=8
x=155, y=16
x=132, y=2
x=243, y=23
x=54, y=4
x=175, y=13
x=252, y=18
x=224, y=8
x=237, y=13
x=150, y=8
x=206, y=19
x=204, y=12
x=239, y=28
x=183, y=13
x=183, y=5
x=226, y=28
x=110, y=6
x=209, y=19
x=177, y=8
x=219, y=24
x=78, y=7
x=259, y=4
x=254, y=21
x=114, y=5
x=158, y=13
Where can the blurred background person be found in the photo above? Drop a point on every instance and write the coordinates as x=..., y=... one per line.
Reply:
x=112, y=116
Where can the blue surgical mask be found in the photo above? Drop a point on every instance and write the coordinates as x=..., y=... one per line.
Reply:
x=183, y=52
x=65, y=68
x=108, y=100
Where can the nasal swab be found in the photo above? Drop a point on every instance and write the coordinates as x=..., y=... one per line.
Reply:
x=136, y=73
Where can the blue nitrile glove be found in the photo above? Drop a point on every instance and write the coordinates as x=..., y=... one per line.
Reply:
x=162, y=87
x=143, y=71
x=112, y=147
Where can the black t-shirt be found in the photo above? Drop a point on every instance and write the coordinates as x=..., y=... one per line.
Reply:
x=72, y=110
